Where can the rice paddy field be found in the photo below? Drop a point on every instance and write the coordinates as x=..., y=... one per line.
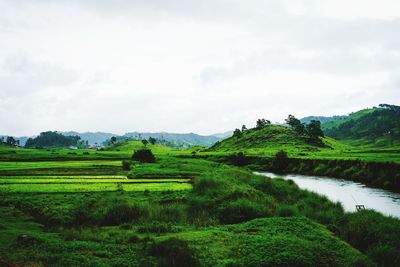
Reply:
x=77, y=175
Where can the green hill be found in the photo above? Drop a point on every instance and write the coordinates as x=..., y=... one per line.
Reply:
x=136, y=145
x=272, y=139
x=378, y=126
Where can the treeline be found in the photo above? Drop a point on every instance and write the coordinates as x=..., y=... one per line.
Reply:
x=384, y=121
x=54, y=139
x=9, y=140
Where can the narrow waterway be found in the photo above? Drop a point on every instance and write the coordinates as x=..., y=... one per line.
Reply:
x=349, y=193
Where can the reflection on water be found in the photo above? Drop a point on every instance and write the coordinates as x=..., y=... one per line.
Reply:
x=349, y=193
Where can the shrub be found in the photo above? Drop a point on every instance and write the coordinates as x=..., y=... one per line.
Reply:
x=173, y=252
x=123, y=213
x=241, y=210
x=144, y=156
x=126, y=165
x=280, y=161
x=156, y=227
x=287, y=211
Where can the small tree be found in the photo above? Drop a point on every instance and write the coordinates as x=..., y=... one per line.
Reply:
x=144, y=156
x=152, y=140
x=126, y=165
x=314, y=131
x=244, y=128
x=237, y=133
x=145, y=142
x=261, y=123
x=296, y=125
x=113, y=139
x=280, y=161
x=11, y=141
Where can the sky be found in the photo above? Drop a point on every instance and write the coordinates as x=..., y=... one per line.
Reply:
x=204, y=66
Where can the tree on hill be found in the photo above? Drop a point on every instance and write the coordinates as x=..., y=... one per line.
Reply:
x=144, y=156
x=261, y=123
x=152, y=140
x=296, y=125
x=145, y=142
x=53, y=139
x=237, y=133
x=244, y=128
x=113, y=140
x=314, y=131
x=11, y=141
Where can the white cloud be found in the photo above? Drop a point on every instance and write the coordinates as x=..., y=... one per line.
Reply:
x=191, y=66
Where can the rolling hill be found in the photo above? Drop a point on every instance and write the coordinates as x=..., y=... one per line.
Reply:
x=271, y=139
x=378, y=126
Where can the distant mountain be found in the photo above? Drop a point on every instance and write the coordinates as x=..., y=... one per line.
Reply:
x=91, y=137
x=223, y=135
x=184, y=139
x=322, y=119
x=379, y=126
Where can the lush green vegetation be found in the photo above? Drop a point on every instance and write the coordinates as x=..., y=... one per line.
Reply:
x=54, y=139
x=378, y=126
x=87, y=210
x=141, y=203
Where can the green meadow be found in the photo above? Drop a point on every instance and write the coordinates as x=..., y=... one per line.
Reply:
x=63, y=207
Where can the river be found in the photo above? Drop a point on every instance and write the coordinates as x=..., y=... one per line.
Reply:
x=348, y=193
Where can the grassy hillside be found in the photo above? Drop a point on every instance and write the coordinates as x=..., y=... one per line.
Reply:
x=136, y=145
x=379, y=126
x=271, y=139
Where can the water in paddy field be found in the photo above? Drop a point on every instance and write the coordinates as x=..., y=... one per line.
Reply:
x=349, y=193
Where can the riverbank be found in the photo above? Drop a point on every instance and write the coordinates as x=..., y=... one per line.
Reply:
x=385, y=175
x=348, y=193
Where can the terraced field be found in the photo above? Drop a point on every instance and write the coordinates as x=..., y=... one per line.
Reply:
x=79, y=176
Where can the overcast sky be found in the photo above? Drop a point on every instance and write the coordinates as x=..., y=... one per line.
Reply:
x=203, y=66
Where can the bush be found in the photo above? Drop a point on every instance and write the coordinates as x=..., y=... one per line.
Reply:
x=173, y=252
x=280, y=161
x=376, y=235
x=287, y=211
x=126, y=165
x=156, y=227
x=123, y=213
x=241, y=210
x=144, y=156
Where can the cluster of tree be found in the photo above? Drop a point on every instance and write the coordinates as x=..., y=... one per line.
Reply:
x=11, y=141
x=144, y=156
x=382, y=122
x=312, y=130
x=151, y=140
x=261, y=123
x=114, y=140
x=54, y=139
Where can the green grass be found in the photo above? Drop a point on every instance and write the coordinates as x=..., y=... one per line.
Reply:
x=92, y=187
x=131, y=146
x=81, y=210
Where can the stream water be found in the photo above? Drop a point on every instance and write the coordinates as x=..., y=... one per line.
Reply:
x=349, y=193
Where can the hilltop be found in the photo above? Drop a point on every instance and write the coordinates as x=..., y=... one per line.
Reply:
x=271, y=139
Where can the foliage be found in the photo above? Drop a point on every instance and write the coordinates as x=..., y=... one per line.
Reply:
x=53, y=139
x=280, y=161
x=374, y=234
x=173, y=252
x=379, y=126
x=262, y=123
x=144, y=156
